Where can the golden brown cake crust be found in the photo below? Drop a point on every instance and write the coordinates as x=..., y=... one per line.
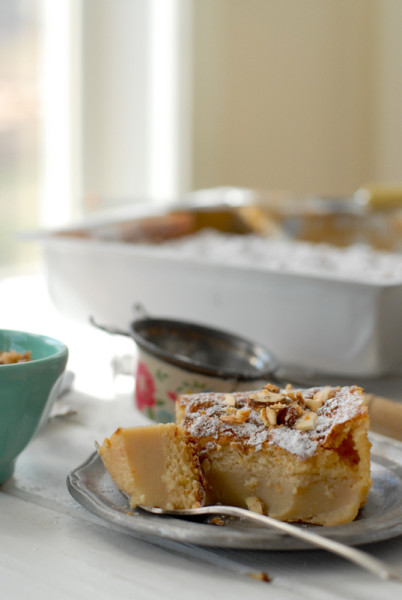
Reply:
x=292, y=418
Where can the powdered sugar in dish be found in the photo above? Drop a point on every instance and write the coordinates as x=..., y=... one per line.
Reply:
x=357, y=262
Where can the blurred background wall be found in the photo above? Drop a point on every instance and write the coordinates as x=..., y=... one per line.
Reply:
x=285, y=93
x=300, y=95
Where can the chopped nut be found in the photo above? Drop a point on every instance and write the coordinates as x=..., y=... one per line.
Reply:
x=217, y=521
x=268, y=416
x=230, y=400
x=320, y=398
x=259, y=395
x=255, y=505
x=278, y=406
x=267, y=397
x=306, y=422
x=263, y=417
x=271, y=415
x=229, y=419
x=238, y=417
x=259, y=576
x=12, y=357
x=289, y=415
x=243, y=413
x=272, y=388
x=314, y=404
x=274, y=397
x=295, y=396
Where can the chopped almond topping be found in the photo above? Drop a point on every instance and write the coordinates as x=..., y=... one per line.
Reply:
x=268, y=397
x=229, y=419
x=320, y=398
x=296, y=396
x=260, y=395
x=274, y=397
x=243, y=413
x=263, y=417
x=272, y=388
x=230, y=400
x=238, y=417
x=278, y=406
x=271, y=415
x=306, y=422
x=314, y=404
x=325, y=394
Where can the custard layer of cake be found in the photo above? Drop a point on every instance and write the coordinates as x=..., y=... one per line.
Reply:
x=296, y=455
x=154, y=465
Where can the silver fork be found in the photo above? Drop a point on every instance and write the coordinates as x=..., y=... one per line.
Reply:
x=364, y=560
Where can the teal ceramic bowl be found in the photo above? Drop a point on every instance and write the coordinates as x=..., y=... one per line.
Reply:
x=27, y=391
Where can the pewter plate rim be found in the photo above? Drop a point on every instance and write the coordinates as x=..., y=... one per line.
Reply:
x=381, y=519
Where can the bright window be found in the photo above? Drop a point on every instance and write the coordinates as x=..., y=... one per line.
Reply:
x=20, y=131
x=94, y=111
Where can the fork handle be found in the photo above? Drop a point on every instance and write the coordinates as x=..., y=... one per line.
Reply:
x=364, y=560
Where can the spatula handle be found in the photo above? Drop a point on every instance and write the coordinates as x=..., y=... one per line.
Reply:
x=385, y=416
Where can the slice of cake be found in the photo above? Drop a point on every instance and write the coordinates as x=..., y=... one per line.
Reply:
x=154, y=465
x=296, y=455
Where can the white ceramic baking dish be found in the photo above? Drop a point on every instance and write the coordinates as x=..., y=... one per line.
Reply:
x=311, y=321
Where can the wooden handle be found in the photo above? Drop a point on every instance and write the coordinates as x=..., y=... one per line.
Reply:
x=385, y=416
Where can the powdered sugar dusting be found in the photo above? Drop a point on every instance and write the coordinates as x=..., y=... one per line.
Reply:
x=294, y=441
x=203, y=421
x=338, y=410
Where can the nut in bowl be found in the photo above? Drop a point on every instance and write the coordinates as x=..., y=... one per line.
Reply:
x=177, y=357
x=31, y=369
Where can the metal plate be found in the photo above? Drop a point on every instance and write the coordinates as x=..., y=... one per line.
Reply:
x=381, y=518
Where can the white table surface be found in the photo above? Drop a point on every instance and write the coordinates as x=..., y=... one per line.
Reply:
x=51, y=547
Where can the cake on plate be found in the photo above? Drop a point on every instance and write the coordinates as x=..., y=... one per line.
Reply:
x=293, y=454
x=155, y=465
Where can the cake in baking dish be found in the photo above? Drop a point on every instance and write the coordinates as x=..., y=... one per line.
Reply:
x=293, y=454
x=154, y=465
